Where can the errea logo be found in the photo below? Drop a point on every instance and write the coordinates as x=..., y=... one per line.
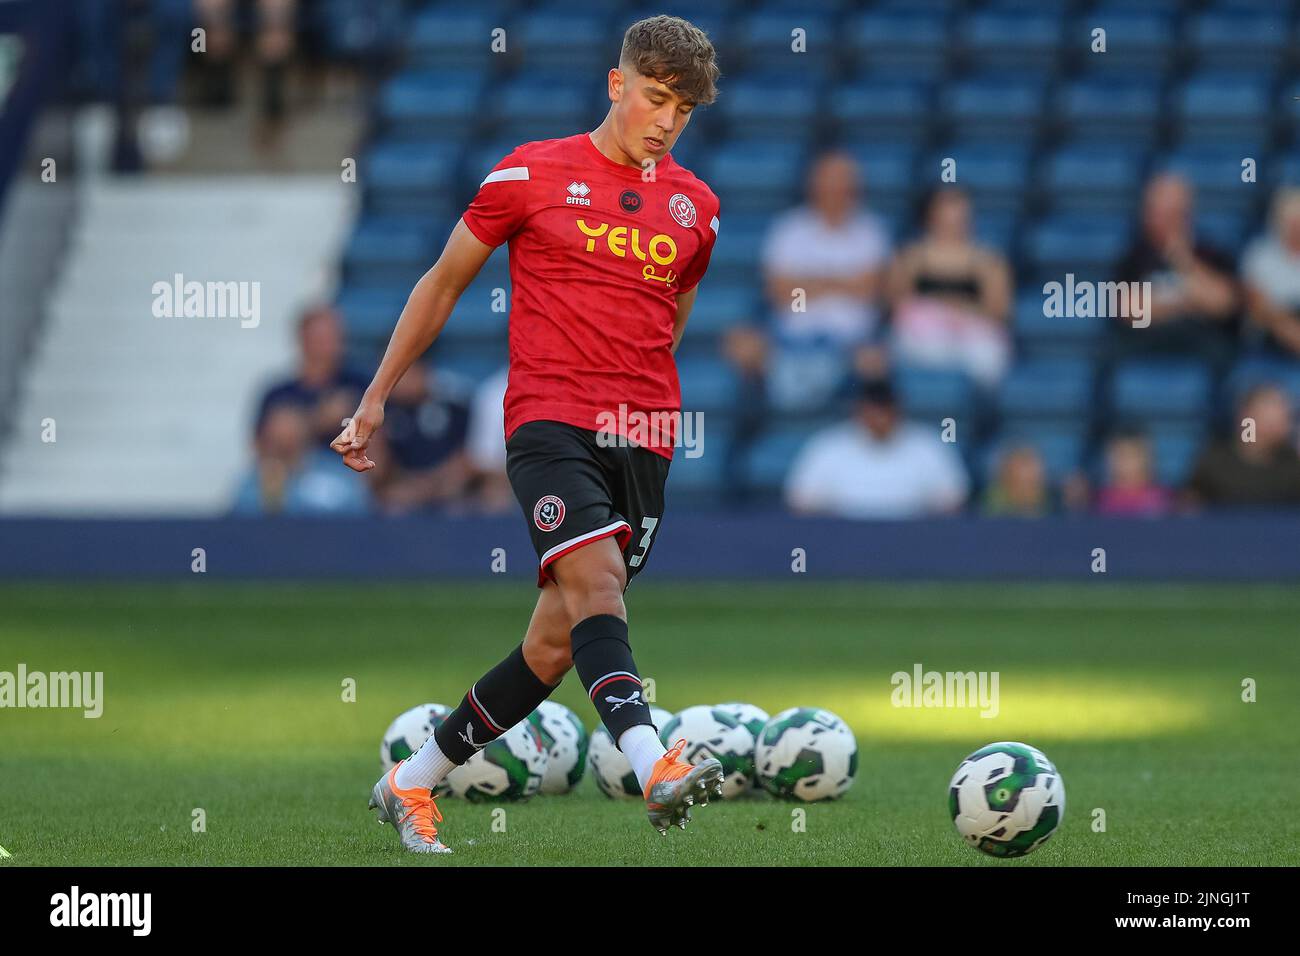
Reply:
x=578, y=194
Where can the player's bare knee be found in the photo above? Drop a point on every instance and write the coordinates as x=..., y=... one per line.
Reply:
x=549, y=661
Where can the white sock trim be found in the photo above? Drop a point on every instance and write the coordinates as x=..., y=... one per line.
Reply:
x=424, y=768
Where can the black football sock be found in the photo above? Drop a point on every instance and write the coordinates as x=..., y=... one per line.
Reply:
x=500, y=699
x=603, y=660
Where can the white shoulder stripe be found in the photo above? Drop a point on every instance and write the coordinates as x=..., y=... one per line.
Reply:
x=713, y=224
x=506, y=175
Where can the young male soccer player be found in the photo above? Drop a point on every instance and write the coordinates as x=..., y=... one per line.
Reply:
x=608, y=239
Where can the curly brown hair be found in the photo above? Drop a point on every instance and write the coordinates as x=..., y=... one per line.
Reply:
x=676, y=53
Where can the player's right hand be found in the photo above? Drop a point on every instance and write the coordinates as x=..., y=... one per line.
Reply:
x=354, y=438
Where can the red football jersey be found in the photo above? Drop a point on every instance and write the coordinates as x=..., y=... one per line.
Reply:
x=597, y=257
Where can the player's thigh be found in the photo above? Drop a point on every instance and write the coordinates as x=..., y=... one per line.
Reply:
x=639, y=496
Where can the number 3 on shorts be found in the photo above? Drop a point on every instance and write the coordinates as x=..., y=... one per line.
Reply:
x=649, y=524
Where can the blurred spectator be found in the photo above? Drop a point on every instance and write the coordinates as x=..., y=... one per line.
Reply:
x=1193, y=291
x=274, y=23
x=1265, y=471
x=423, y=462
x=486, y=447
x=835, y=251
x=1271, y=269
x=951, y=296
x=876, y=466
x=290, y=477
x=1130, y=489
x=1020, y=489
x=323, y=388
x=130, y=55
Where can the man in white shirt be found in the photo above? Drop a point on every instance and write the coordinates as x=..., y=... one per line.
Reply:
x=823, y=266
x=877, y=466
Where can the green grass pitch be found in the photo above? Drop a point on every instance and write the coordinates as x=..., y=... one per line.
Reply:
x=228, y=698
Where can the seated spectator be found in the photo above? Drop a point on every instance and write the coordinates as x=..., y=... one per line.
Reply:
x=1271, y=270
x=835, y=251
x=1130, y=489
x=951, y=296
x=1261, y=472
x=1020, y=489
x=422, y=460
x=486, y=448
x=876, y=466
x=322, y=387
x=292, y=478
x=1193, y=304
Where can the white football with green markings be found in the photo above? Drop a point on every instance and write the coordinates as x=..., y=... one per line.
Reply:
x=806, y=753
x=1006, y=799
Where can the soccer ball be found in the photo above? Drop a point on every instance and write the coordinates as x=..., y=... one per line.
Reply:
x=408, y=732
x=712, y=732
x=805, y=753
x=509, y=768
x=565, y=740
x=611, y=770
x=752, y=717
x=1006, y=799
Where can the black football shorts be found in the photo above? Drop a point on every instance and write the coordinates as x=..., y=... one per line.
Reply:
x=574, y=491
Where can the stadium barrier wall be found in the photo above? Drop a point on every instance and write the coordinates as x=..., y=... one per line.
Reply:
x=1246, y=547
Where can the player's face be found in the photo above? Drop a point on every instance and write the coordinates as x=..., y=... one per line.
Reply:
x=650, y=116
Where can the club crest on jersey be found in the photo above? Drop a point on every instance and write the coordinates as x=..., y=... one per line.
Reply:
x=548, y=513
x=578, y=194
x=682, y=209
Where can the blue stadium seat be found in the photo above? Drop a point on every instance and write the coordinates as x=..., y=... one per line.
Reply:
x=421, y=105
x=914, y=40
x=1216, y=106
x=1092, y=177
x=445, y=39
x=768, y=461
x=764, y=40
x=888, y=172
x=929, y=395
x=544, y=105
x=1235, y=38
x=999, y=108
x=722, y=305
x=1252, y=371
x=1050, y=337
x=1110, y=109
x=1011, y=38
x=708, y=384
x=390, y=250
x=1175, y=448
x=411, y=178
x=369, y=313
x=755, y=175
x=756, y=101
x=1142, y=38
x=1086, y=245
x=1214, y=170
x=1048, y=389
x=1154, y=390
x=473, y=319
x=736, y=253
x=558, y=37
x=882, y=107
x=994, y=174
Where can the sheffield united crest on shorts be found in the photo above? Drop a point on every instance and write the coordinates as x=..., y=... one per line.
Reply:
x=548, y=513
x=683, y=209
